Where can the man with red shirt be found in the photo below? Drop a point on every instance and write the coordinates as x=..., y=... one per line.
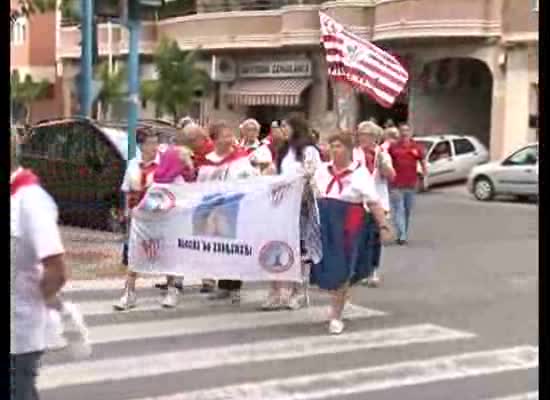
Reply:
x=406, y=154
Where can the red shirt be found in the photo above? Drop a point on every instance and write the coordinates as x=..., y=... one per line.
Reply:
x=405, y=157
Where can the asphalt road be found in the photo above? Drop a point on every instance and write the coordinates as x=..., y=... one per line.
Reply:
x=456, y=318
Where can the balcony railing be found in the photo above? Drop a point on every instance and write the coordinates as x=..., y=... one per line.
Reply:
x=206, y=6
x=190, y=7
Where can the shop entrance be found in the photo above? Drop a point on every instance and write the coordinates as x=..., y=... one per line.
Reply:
x=267, y=114
x=368, y=109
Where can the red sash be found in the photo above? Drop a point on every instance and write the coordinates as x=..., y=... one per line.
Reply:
x=23, y=178
x=236, y=154
x=370, y=158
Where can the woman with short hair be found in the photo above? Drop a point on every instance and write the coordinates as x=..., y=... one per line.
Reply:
x=226, y=162
x=342, y=187
x=250, y=134
x=378, y=164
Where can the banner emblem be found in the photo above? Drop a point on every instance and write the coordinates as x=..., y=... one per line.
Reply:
x=276, y=257
x=158, y=199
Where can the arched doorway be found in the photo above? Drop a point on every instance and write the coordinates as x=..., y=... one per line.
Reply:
x=453, y=96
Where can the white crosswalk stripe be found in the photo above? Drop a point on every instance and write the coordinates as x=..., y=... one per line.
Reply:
x=141, y=366
x=324, y=386
x=523, y=396
x=165, y=325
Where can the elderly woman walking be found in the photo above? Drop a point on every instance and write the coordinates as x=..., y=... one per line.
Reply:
x=378, y=164
x=226, y=162
x=342, y=188
x=250, y=134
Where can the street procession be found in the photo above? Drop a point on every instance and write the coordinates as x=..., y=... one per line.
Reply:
x=243, y=245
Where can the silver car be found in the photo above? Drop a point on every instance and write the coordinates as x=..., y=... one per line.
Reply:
x=450, y=158
x=517, y=175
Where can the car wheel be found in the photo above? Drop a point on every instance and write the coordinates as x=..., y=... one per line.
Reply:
x=483, y=189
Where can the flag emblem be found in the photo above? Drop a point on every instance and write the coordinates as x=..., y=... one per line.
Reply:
x=360, y=63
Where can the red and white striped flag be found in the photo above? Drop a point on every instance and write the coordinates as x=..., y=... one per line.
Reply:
x=362, y=64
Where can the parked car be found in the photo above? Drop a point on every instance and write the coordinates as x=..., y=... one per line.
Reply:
x=81, y=163
x=517, y=175
x=450, y=158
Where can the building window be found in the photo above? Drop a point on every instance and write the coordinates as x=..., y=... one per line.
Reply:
x=18, y=32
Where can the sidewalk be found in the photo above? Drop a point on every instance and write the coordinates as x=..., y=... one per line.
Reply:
x=93, y=254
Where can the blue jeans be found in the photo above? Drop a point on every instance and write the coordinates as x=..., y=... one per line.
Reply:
x=402, y=202
x=24, y=370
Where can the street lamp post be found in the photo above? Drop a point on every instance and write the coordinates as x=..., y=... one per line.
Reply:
x=133, y=24
x=87, y=10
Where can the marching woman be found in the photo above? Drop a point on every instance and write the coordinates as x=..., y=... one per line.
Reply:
x=139, y=176
x=379, y=165
x=342, y=187
x=250, y=133
x=265, y=156
x=226, y=162
x=297, y=156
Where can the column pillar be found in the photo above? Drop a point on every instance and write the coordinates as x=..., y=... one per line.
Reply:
x=515, y=131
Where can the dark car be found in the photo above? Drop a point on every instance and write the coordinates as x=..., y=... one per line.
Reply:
x=81, y=163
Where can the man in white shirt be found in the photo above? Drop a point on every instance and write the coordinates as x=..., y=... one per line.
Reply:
x=38, y=273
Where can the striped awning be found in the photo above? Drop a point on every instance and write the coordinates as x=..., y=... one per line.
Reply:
x=268, y=92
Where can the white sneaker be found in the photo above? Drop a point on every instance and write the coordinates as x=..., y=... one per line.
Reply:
x=373, y=280
x=127, y=301
x=171, y=298
x=296, y=301
x=272, y=303
x=335, y=327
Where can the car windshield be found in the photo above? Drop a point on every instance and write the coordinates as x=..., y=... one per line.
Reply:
x=426, y=144
x=119, y=138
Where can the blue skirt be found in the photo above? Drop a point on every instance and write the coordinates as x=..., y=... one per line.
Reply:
x=344, y=232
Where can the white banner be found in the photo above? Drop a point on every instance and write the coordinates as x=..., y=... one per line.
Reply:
x=246, y=230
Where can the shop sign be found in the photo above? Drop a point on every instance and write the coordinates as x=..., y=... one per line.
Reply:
x=275, y=69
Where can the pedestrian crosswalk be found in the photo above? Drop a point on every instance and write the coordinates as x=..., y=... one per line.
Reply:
x=215, y=351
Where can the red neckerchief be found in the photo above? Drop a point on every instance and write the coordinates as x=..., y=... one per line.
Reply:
x=199, y=154
x=146, y=170
x=337, y=179
x=370, y=158
x=235, y=154
x=24, y=177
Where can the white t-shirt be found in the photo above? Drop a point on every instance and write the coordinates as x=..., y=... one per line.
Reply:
x=34, y=235
x=262, y=154
x=132, y=176
x=354, y=185
x=380, y=182
x=291, y=166
x=238, y=168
